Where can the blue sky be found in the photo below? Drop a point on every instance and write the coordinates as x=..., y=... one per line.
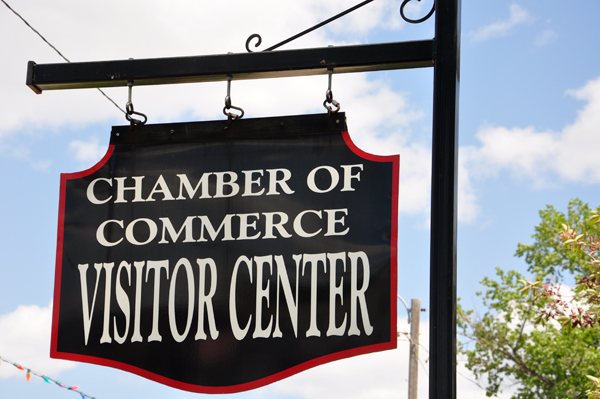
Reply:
x=529, y=123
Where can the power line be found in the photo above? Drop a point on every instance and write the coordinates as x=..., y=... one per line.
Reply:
x=409, y=339
x=476, y=383
x=55, y=49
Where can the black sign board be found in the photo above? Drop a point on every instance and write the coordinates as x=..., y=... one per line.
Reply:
x=221, y=256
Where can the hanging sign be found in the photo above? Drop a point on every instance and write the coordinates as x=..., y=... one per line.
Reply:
x=218, y=257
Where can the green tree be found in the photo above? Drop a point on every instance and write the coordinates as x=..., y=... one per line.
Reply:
x=518, y=340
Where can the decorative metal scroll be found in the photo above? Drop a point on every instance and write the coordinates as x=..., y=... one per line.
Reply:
x=415, y=21
x=348, y=11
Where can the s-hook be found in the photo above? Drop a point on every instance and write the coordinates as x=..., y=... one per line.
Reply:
x=329, y=97
x=130, y=111
x=228, y=106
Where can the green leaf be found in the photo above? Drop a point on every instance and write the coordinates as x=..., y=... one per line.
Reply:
x=594, y=379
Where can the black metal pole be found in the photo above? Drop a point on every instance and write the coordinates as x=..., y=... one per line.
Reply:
x=442, y=366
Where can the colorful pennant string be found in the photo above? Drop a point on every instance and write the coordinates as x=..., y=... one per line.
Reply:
x=74, y=388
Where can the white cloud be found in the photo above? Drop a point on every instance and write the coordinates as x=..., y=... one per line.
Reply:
x=570, y=154
x=545, y=37
x=25, y=339
x=518, y=16
x=376, y=375
x=378, y=14
x=88, y=152
x=20, y=151
x=523, y=151
x=373, y=376
x=578, y=156
x=467, y=207
x=41, y=165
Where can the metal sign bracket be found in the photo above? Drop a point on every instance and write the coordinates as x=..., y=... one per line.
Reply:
x=442, y=53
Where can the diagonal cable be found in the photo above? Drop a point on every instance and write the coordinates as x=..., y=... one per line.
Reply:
x=55, y=49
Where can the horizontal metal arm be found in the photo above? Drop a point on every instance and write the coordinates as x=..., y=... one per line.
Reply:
x=212, y=68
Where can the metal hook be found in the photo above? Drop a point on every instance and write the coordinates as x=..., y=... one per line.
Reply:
x=129, y=108
x=329, y=97
x=228, y=106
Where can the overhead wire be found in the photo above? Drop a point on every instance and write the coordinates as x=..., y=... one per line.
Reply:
x=476, y=383
x=409, y=339
x=57, y=51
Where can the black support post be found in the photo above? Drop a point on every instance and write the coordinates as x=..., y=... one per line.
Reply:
x=442, y=349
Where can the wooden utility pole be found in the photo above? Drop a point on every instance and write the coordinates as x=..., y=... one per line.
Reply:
x=413, y=362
